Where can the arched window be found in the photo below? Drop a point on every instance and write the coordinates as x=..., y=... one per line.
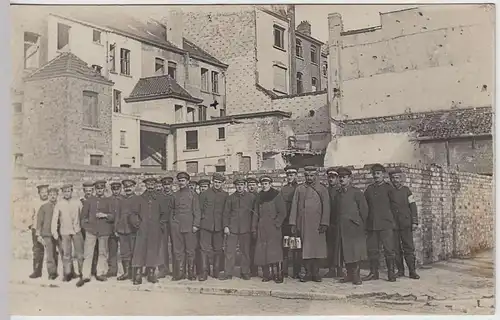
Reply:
x=299, y=52
x=300, y=86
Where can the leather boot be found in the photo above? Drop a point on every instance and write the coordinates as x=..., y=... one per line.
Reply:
x=151, y=275
x=266, y=273
x=373, y=275
x=308, y=268
x=279, y=272
x=411, y=262
x=349, y=276
x=400, y=266
x=285, y=263
x=137, y=276
x=204, y=267
x=332, y=273
x=191, y=270
x=340, y=272
x=37, y=269
x=356, y=277
x=180, y=273
x=162, y=271
x=126, y=271
x=315, y=271
x=217, y=266
x=391, y=274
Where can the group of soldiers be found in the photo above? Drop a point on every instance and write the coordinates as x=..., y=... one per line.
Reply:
x=203, y=227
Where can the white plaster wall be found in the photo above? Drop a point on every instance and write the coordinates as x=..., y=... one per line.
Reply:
x=125, y=155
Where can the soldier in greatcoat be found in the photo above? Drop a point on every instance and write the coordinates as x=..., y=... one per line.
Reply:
x=310, y=218
x=88, y=191
x=267, y=221
x=212, y=203
x=184, y=223
x=125, y=231
x=38, y=249
x=164, y=268
x=98, y=222
x=237, y=222
x=380, y=224
x=287, y=192
x=148, y=215
x=352, y=211
x=114, y=202
x=335, y=263
x=405, y=213
x=253, y=188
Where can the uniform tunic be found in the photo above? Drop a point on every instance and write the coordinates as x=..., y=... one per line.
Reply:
x=148, y=213
x=212, y=204
x=114, y=203
x=270, y=212
x=333, y=233
x=310, y=209
x=287, y=192
x=97, y=226
x=125, y=230
x=405, y=213
x=352, y=213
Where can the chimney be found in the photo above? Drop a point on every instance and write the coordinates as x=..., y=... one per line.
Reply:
x=174, y=27
x=305, y=28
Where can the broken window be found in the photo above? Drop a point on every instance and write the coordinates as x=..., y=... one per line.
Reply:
x=314, y=83
x=117, y=101
x=192, y=140
x=125, y=61
x=202, y=113
x=31, y=50
x=172, y=69
x=245, y=164
x=90, y=109
x=159, y=66
x=300, y=85
x=279, y=37
x=96, y=160
x=96, y=36
x=314, y=54
x=62, y=36
x=112, y=55
x=280, y=79
x=325, y=69
x=215, y=82
x=220, y=168
x=204, y=79
x=298, y=49
x=97, y=68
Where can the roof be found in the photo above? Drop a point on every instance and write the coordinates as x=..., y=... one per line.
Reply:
x=308, y=37
x=455, y=123
x=159, y=87
x=199, y=53
x=67, y=64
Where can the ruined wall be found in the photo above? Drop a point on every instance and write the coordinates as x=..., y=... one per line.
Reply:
x=456, y=211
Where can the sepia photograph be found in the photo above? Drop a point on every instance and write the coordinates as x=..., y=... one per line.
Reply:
x=252, y=159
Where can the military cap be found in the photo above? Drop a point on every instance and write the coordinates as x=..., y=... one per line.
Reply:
x=266, y=178
x=100, y=183
x=343, y=171
x=218, y=177
x=292, y=169
x=88, y=184
x=395, y=171
x=377, y=167
x=167, y=179
x=183, y=175
x=128, y=182
x=239, y=180
x=193, y=182
x=115, y=182
x=251, y=179
x=53, y=189
x=150, y=179
x=310, y=168
x=67, y=186
x=331, y=171
x=42, y=186
x=204, y=181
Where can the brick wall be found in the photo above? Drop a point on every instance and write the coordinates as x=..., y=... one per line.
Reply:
x=456, y=212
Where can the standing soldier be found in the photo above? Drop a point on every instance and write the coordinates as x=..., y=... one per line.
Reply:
x=253, y=188
x=310, y=218
x=352, y=211
x=38, y=249
x=270, y=212
x=212, y=203
x=335, y=263
x=184, y=223
x=380, y=224
x=124, y=229
x=405, y=213
x=204, y=184
x=159, y=187
x=88, y=191
x=148, y=217
x=44, y=233
x=237, y=222
x=98, y=222
x=164, y=268
x=114, y=203
x=66, y=215
x=287, y=192
x=193, y=185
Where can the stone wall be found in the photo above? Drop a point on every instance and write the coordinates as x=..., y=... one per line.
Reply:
x=456, y=211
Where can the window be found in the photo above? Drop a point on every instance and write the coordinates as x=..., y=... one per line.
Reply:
x=62, y=36
x=314, y=54
x=97, y=68
x=190, y=114
x=245, y=164
x=172, y=70
x=178, y=113
x=123, y=139
x=202, y=113
x=222, y=112
x=325, y=69
x=221, y=168
x=300, y=86
x=279, y=37
x=222, y=134
x=215, y=82
x=192, y=166
x=298, y=49
x=90, y=109
x=31, y=52
x=280, y=79
x=117, y=101
x=125, y=61
x=95, y=160
x=159, y=66
x=192, y=140
x=112, y=54
x=96, y=36
x=204, y=79
x=314, y=83
x=18, y=107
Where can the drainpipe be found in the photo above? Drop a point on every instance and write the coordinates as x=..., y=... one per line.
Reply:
x=291, y=49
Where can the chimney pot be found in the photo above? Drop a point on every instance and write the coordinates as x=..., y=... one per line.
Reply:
x=304, y=27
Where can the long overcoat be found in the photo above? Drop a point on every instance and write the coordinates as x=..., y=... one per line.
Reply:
x=269, y=214
x=310, y=209
x=147, y=216
x=352, y=212
x=334, y=229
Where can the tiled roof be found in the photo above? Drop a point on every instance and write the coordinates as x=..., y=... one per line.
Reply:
x=198, y=52
x=456, y=123
x=67, y=64
x=159, y=87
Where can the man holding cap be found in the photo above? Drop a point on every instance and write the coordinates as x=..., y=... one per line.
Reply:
x=212, y=203
x=237, y=222
x=335, y=262
x=114, y=205
x=184, y=223
x=310, y=218
x=38, y=249
x=352, y=212
x=164, y=268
